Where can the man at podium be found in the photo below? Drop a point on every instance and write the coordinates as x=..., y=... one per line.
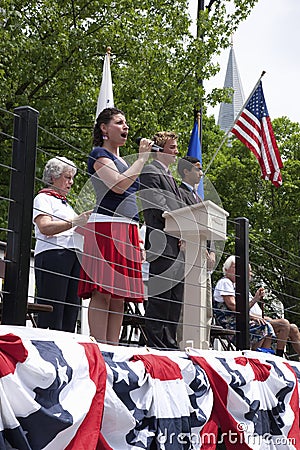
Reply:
x=190, y=170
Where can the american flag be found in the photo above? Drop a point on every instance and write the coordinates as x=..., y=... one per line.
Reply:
x=254, y=129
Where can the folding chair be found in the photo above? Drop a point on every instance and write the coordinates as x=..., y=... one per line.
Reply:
x=223, y=336
x=133, y=322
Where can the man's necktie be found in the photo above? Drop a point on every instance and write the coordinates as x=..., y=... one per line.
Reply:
x=173, y=182
x=197, y=197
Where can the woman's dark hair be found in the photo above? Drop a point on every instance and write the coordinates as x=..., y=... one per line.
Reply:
x=104, y=117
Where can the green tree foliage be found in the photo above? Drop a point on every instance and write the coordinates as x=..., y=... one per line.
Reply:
x=273, y=213
x=52, y=58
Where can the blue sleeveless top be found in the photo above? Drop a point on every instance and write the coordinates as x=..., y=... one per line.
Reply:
x=108, y=202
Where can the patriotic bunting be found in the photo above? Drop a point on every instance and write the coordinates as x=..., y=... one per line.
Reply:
x=61, y=391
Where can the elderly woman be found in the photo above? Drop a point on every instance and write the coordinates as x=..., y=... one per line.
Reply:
x=261, y=332
x=57, y=243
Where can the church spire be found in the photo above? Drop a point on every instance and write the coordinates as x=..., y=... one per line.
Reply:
x=229, y=111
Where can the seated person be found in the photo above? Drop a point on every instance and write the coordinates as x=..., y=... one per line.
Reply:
x=280, y=326
x=261, y=332
x=294, y=337
x=284, y=330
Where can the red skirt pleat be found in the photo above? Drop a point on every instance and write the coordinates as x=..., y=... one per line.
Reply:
x=111, y=261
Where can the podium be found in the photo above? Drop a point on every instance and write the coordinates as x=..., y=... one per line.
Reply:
x=195, y=225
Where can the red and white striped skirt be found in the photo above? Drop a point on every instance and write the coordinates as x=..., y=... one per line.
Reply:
x=111, y=261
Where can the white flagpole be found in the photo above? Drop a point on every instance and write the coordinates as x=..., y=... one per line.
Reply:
x=235, y=120
x=106, y=98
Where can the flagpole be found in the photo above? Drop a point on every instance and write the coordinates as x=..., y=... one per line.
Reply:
x=199, y=33
x=236, y=119
x=199, y=124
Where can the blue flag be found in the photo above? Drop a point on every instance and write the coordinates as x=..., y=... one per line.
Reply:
x=195, y=151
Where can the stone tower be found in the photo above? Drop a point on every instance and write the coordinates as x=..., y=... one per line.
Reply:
x=229, y=111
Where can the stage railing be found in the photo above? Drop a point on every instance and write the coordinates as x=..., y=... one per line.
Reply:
x=19, y=231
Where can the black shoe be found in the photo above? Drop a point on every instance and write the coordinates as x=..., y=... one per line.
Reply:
x=169, y=341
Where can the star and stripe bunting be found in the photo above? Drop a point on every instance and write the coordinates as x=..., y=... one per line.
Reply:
x=254, y=129
x=60, y=391
x=256, y=399
x=51, y=392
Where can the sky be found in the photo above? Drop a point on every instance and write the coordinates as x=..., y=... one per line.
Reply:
x=267, y=40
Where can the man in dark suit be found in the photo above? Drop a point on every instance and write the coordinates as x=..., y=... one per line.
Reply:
x=190, y=171
x=159, y=193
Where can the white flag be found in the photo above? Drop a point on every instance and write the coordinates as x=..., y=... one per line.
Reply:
x=106, y=98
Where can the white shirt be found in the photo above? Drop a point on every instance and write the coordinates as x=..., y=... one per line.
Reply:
x=255, y=309
x=223, y=287
x=191, y=188
x=226, y=287
x=54, y=207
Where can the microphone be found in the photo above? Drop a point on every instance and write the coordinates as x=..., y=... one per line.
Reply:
x=154, y=148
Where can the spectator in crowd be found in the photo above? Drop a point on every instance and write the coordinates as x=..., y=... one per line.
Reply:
x=111, y=263
x=280, y=326
x=57, y=246
x=261, y=332
x=294, y=337
x=284, y=330
x=159, y=193
x=190, y=171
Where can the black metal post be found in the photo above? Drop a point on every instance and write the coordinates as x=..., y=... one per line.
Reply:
x=200, y=8
x=242, y=282
x=20, y=216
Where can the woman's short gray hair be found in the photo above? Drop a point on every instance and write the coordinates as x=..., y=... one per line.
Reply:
x=55, y=167
x=228, y=263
